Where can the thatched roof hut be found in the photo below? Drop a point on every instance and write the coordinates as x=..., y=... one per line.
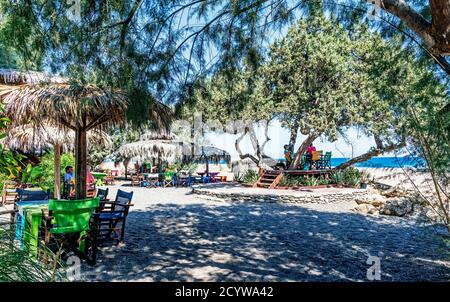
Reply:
x=207, y=154
x=67, y=106
x=163, y=146
x=32, y=135
x=29, y=138
x=16, y=77
x=153, y=145
x=142, y=151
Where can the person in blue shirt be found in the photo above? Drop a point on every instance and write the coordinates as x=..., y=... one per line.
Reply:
x=68, y=176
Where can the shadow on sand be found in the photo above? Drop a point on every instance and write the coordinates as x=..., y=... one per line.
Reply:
x=265, y=242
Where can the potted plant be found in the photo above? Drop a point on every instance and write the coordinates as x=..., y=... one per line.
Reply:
x=364, y=180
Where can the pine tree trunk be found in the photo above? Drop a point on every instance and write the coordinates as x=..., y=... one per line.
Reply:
x=80, y=163
x=57, y=172
x=239, y=151
x=293, y=135
x=368, y=155
x=302, y=149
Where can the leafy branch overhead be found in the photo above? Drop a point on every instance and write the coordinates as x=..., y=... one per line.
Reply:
x=160, y=47
x=320, y=80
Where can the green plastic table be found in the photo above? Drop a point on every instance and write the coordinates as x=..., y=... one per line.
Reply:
x=33, y=218
x=31, y=215
x=99, y=176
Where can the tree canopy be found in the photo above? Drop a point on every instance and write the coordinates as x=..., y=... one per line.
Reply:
x=159, y=47
x=320, y=79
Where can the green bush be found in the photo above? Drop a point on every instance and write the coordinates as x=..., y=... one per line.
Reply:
x=250, y=177
x=302, y=181
x=48, y=167
x=17, y=266
x=337, y=178
x=311, y=181
x=32, y=175
x=3, y=178
x=351, y=176
x=284, y=181
x=323, y=181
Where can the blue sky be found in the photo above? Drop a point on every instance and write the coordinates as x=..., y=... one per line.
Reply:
x=359, y=142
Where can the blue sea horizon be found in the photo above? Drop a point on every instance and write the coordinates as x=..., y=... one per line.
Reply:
x=382, y=162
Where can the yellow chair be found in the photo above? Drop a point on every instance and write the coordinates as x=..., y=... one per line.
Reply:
x=316, y=155
x=315, y=159
x=9, y=192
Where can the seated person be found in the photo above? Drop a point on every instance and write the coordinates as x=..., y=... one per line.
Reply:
x=288, y=155
x=90, y=180
x=68, y=180
x=310, y=149
x=309, y=153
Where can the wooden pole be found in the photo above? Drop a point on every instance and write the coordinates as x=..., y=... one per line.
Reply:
x=80, y=163
x=57, y=159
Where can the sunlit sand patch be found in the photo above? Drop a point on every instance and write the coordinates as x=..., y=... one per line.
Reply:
x=204, y=273
x=221, y=257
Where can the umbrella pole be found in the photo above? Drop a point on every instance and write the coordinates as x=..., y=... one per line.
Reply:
x=57, y=167
x=80, y=163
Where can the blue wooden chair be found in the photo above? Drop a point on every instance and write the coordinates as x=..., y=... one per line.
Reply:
x=111, y=214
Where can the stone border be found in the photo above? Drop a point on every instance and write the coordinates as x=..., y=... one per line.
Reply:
x=318, y=198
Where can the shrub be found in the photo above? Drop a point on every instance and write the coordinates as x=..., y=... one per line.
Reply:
x=337, y=178
x=351, y=176
x=284, y=181
x=48, y=167
x=17, y=266
x=250, y=177
x=311, y=181
x=323, y=181
x=3, y=178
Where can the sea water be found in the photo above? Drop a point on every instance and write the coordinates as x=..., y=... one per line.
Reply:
x=384, y=162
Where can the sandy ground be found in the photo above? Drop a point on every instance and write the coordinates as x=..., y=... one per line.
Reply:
x=405, y=178
x=173, y=235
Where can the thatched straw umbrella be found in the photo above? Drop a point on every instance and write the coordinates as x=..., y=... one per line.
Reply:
x=146, y=150
x=65, y=106
x=72, y=106
x=32, y=138
x=205, y=154
x=157, y=145
x=18, y=138
x=15, y=77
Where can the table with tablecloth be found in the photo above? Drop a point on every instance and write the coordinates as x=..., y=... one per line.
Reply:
x=28, y=219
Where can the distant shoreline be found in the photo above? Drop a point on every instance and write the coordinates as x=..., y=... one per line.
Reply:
x=385, y=162
x=382, y=162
